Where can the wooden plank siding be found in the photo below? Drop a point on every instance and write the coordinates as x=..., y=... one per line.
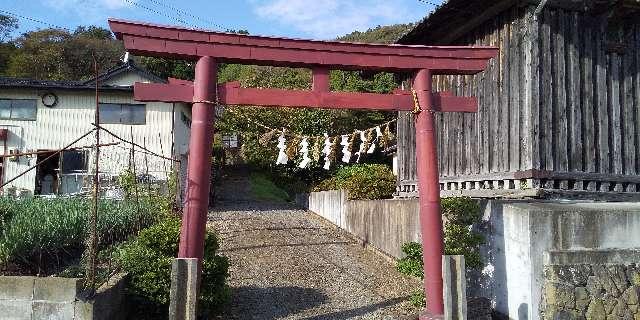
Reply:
x=562, y=97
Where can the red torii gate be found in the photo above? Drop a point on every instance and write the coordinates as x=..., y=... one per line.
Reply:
x=209, y=48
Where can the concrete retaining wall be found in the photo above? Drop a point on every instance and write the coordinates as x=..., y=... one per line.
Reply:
x=519, y=234
x=383, y=224
x=35, y=298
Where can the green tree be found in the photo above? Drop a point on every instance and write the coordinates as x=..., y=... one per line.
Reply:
x=180, y=69
x=8, y=24
x=314, y=122
x=61, y=55
x=85, y=42
x=379, y=34
x=165, y=68
x=39, y=54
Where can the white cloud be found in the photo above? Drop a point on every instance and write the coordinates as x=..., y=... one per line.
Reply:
x=327, y=19
x=88, y=11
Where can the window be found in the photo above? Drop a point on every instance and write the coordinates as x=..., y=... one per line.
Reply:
x=230, y=141
x=74, y=161
x=18, y=109
x=118, y=113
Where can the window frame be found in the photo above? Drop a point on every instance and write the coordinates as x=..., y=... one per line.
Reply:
x=85, y=161
x=11, y=109
x=126, y=116
x=228, y=140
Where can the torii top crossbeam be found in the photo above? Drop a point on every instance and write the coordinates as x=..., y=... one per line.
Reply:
x=209, y=48
x=168, y=41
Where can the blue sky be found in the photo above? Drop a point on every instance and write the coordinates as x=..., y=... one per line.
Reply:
x=318, y=19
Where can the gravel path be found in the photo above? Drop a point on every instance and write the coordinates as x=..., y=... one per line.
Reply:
x=290, y=264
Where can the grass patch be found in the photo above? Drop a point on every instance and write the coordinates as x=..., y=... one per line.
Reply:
x=264, y=189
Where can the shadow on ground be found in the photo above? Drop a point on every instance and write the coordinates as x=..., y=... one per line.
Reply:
x=358, y=312
x=277, y=302
x=286, y=302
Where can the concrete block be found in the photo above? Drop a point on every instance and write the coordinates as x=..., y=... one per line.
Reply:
x=15, y=310
x=52, y=311
x=56, y=289
x=184, y=289
x=455, y=288
x=83, y=310
x=16, y=288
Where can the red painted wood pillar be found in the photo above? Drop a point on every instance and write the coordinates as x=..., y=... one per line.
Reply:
x=194, y=218
x=429, y=191
x=320, y=79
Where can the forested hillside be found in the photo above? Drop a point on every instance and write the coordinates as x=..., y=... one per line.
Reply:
x=379, y=34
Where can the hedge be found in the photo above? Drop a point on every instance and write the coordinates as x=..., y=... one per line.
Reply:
x=362, y=182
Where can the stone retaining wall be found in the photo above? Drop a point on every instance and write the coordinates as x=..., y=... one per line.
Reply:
x=36, y=298
x=598, y=291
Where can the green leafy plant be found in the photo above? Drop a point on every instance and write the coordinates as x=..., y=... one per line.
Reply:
x=459, y=239
x=362, y=181
x=411, y=264
x=148, y=260
x=417, y=299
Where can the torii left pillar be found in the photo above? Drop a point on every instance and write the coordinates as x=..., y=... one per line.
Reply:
x=194, y=219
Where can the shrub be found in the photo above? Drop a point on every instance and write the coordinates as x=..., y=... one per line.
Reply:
x=148, y=261
x=459, y=238
x=327, y=184
x=31, y=228
x=362, y=181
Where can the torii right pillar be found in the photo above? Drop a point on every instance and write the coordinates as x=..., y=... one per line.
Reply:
x=429, y=192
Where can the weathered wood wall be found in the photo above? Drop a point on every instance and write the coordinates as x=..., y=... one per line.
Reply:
x=559, y=108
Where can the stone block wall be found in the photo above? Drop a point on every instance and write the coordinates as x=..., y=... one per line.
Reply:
x=36, y=298
x=596, y=291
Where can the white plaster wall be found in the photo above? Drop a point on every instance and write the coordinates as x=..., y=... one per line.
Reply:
x=125, y=79
x=72, y=116
x=182, y=132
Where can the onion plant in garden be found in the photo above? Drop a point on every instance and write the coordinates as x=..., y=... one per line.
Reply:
x=35, y=233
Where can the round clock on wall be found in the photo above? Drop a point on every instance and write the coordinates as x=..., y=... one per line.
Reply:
x=49, y=99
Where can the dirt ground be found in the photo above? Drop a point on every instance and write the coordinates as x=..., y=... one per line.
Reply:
x=288, y=263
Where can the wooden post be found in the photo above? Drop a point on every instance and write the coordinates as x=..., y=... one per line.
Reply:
x=194, y=218
x=429, y=191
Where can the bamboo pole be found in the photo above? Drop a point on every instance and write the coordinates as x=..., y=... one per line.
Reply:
x=56, y=150
x=92, y=239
